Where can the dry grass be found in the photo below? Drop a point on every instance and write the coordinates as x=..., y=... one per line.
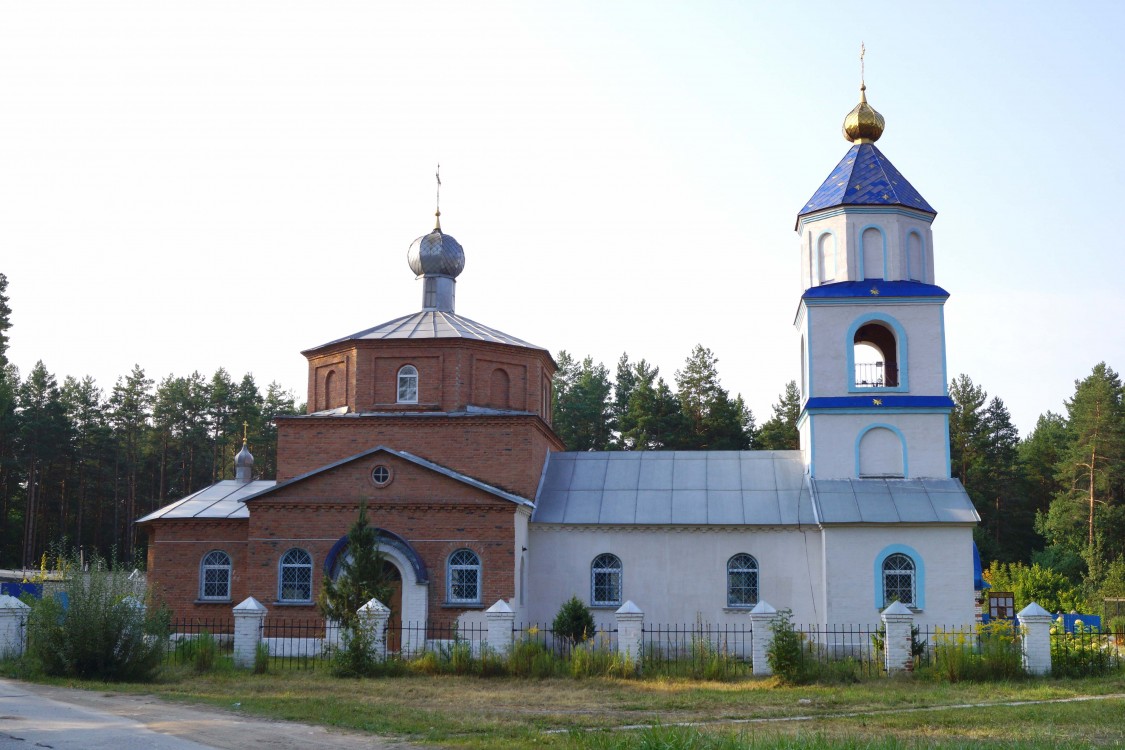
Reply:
x=494, y=713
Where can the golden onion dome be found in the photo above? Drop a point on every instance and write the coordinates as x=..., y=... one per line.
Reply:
x=863, y=124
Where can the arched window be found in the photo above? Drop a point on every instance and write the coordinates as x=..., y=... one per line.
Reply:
x=605, y=580
x=462, y=580
x=294, y=579
x=214, y=576
x=499, y=388
x=872, y=245
x=881, y=452
x=898, y=580
x=408, y=385
x=826, y=258
x=875, y=354
x=915, y=257
x=742, y=581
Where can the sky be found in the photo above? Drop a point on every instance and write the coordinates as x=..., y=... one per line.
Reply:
x=188, y=186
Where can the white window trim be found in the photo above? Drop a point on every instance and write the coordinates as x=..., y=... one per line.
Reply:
x=450, y=567
x=405, y=374
x=205, y=566
x=281, y=567
x=607, y=569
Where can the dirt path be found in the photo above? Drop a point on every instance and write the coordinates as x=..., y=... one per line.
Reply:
x=213, y=727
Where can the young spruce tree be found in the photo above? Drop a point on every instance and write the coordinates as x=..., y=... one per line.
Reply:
x=362, y=577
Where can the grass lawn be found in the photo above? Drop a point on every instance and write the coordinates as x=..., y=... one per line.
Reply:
x=474, y=712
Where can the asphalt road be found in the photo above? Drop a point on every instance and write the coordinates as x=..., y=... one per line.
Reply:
x=38, y=716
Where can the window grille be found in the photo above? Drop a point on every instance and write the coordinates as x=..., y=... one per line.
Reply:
x=295, y=577
x=408, y=385
x=463, y=577
x=214, y=576
x=898, y=580
x=742, y=581
x=605, y=580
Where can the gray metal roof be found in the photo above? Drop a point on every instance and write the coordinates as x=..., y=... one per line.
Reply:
x=223, y=499
x=892, y=501
x=732, y=488
x=434, y=324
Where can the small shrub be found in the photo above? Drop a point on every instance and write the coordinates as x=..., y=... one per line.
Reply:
x=460, y=658
x=102, y=633
x=203, y=653
x=426, y=663
x=1084, y=653
x=531, y=658
x=573, y=621
x=987, y=652
x=786, y=655
x=262, y=658
x=356, y=658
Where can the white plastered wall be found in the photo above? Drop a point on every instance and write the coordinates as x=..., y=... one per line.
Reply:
x=847, y=227
x=834, y=442
x=828, y=357
x=946, y=554
x=675, y=575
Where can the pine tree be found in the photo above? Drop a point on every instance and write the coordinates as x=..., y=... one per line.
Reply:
x=130, y=412
x=362, y=577
x=779, y=432
x=43, y=442
x=712, y=419
x=582, y=413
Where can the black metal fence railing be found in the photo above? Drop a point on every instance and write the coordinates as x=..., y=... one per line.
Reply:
x=981, y=651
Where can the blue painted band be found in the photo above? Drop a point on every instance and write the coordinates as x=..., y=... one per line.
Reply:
x=888, y=402
x=881, y=289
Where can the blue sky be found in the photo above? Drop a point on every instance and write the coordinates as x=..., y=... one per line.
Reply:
x=227, y=184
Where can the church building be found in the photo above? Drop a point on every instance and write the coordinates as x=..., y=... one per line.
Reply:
x=442, y=426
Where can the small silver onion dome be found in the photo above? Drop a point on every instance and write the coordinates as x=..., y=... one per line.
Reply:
x=243, y=465
x=244, y=457
x=436, y=254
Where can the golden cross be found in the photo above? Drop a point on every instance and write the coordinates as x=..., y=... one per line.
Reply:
x=244, y=426
x=437, y=201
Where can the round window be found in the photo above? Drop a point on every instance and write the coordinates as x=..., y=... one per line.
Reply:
x=381, y=476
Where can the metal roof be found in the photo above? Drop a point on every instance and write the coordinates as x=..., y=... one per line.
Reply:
x=731, y=488
x=864, y=177
x=433, y=324
x=222, y=499
x=892, y=501
x=873, y=288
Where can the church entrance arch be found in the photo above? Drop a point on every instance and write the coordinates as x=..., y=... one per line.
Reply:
x=410, y=601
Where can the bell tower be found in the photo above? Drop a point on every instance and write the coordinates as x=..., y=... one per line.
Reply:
x=874, y=393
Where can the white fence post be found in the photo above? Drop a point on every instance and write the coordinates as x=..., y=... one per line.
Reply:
x=1035, y=643
x=13, y=626
x=501, y=619
x=373, y=618
x=630, y=631
x=762, y=618
x=249, y=616
x=898, y=641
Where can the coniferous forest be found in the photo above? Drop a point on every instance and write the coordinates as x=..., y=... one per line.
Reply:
x=79, y=464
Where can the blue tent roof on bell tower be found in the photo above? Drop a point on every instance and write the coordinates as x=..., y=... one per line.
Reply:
x=865, y=177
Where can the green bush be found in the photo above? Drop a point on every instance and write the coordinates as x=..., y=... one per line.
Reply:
x=1084, y=653
x=985, y=653
x=531, y=658
x=205, y=649
x=573, y=621
x=357, y=657
x=786, y=655
x=104, y=632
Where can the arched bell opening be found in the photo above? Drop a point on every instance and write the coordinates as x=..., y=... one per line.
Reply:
x=875, y=355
